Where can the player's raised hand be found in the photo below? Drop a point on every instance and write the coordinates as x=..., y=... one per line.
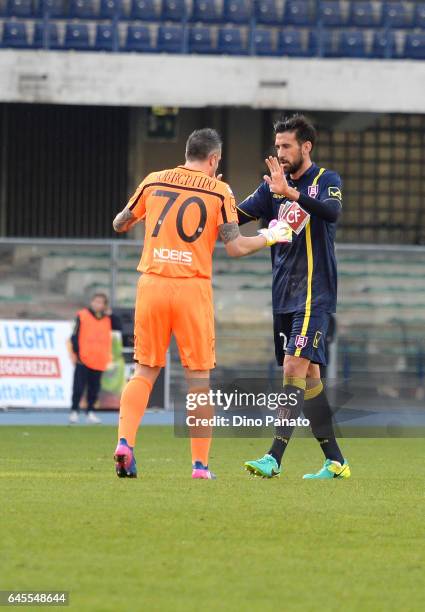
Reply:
x=277, y=179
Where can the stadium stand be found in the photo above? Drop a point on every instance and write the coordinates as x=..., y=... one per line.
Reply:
x=77, y=36
x=173, y=10
x=143, y=10
x=353, y=44
x=330, y=14
x=170, y=38
x=15, y=35
x=51, y=8
x=397, y=15
x=326, y=28
x=419, y=18
x=290, y=43
x=363, y=15
x=415, y=46
x=104, y=37
x=138, y=38
x=266, y=12
x=381, y=296
x=20, y=8
x=237, y=11
x=384, y=44
x=230, y=41
x=298, y=13
x=111, y=9
x=200, y=40
x=263, y=42
x=82, y=9
x=45, y=35
x=205, y=11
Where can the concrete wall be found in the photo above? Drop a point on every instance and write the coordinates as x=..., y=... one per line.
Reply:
x=191, y=81
x=242, y=163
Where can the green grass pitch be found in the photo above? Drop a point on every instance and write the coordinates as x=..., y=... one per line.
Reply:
x=164, y=542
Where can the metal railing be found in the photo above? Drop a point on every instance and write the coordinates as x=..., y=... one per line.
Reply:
x=381, y=306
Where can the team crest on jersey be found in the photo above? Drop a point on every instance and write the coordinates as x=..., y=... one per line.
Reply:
x=313, y=190
x=296, y=217
x=301, y=341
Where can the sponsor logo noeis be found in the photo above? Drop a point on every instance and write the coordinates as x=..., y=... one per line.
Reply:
x=172, y=256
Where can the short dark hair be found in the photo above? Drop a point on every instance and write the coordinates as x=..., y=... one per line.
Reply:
x=100, y=294
x=202, y=143
x=303, y=128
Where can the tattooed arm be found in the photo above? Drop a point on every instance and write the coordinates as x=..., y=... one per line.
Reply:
x=237, y=245
x=124, y=220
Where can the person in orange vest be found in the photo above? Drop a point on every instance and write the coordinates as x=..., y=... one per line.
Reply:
x=90, y=350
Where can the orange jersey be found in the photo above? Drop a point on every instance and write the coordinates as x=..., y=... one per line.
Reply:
x=182, y=209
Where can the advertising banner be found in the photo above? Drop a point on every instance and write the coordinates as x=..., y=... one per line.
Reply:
x=35, y=368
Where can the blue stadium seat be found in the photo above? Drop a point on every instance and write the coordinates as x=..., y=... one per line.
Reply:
x=104, y=37
x=52, y=36
x=15, y=35
x=384, y=44
x=396, y=15
x=290, y=43
x=263, y=42
x=110, y=9
x=298, y=13
x=138, y=38
x=419, y=18
x=82, y=9
x=205, y=11
x=20, y=8
x=170, y=39
x=353, y=44
x=173, y=10
x=362, y=15
x=143, y=10
x=266, y=12
x=200, y=40
x=414, y=47
x=230, y=41
x=237, y=11
x=54, y=8
x=77, y=37
x=330, y=13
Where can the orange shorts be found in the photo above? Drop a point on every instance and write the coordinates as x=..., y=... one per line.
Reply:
x=179, y=306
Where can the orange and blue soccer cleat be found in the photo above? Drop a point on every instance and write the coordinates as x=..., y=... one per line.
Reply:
x=125, y=461
x=199, y=470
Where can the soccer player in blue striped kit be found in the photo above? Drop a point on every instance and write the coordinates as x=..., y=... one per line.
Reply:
x=304, y=286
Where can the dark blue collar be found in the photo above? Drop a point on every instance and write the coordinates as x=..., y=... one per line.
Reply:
x=307, y=174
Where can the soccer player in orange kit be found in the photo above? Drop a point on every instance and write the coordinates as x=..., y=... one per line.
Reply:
x=185, y=209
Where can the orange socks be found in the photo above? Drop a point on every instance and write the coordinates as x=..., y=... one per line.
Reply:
x=134, y=400
x=200, y=449
x=200, y=435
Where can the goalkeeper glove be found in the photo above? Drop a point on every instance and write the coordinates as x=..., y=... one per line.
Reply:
x=278, y=231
